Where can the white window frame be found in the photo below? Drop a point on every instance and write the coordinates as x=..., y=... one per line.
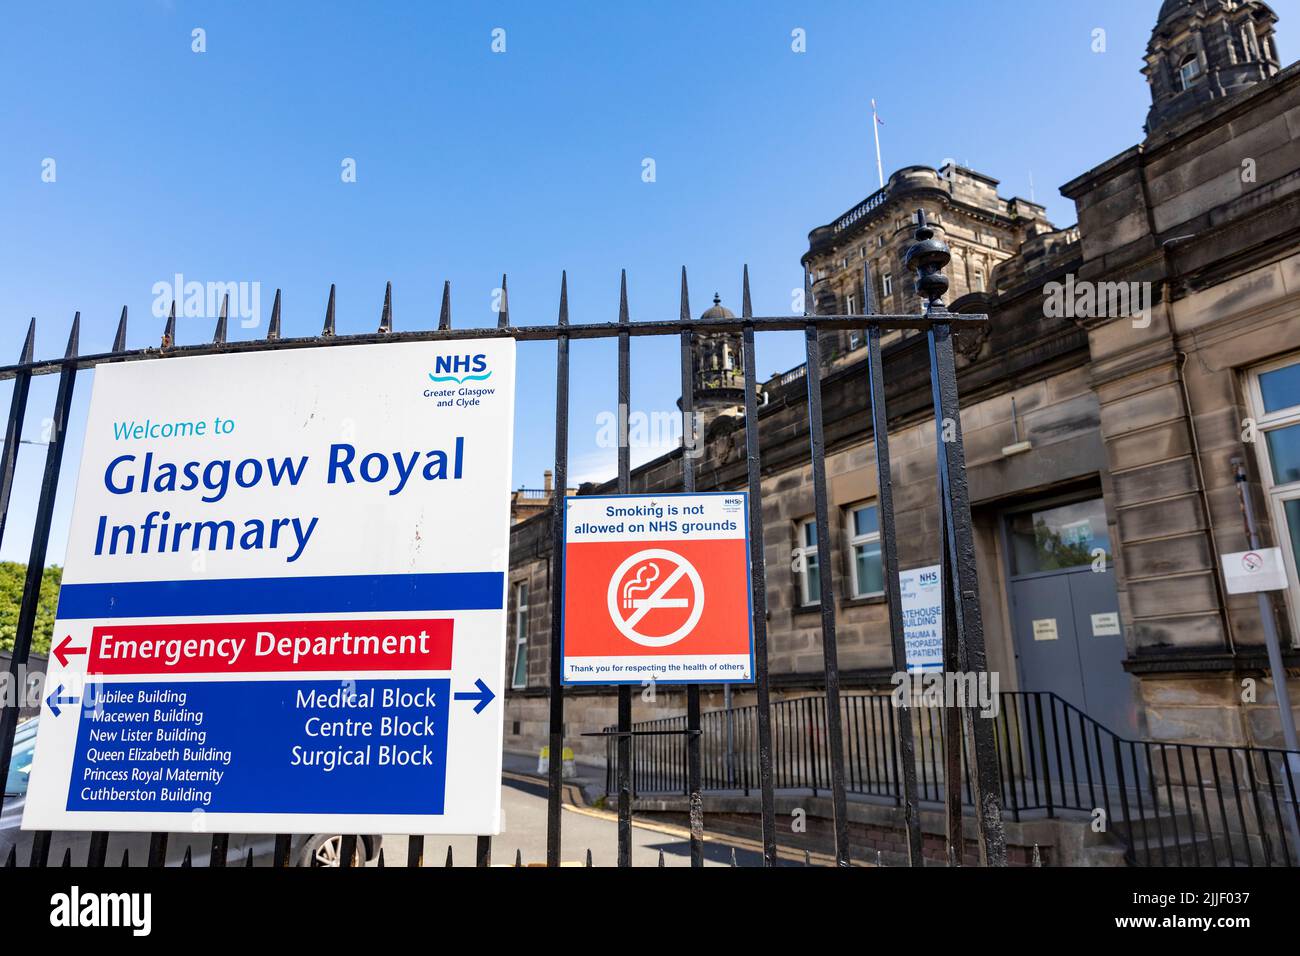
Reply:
x=857, y=541
x=852, y=302
x=1277, y=495
x=980, y=285
x=521, y=633
x=810, y=554
x=1188, y=80
x=886, y=284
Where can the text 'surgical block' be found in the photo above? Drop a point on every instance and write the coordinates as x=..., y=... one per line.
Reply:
x=283, y=602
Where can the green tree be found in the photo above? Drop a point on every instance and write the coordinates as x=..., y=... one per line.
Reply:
x=12, y=577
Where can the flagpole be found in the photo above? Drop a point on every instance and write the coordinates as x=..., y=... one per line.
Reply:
x=875, y=128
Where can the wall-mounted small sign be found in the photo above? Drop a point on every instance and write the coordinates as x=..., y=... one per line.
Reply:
x=1249, y=571
x=1106, y=625
x=1045, y=629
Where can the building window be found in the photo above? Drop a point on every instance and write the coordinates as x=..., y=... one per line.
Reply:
x=880, y=241
x=1189, y=71
x=886, y=284
x=810, y=577
x=852, y=303
x=855, y=340
x=844, y=263
x=1275, y=401
x=979, y=280
x=866, y=571
x=521, y=635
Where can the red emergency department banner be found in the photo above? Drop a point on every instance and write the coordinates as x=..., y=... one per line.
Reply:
x=657, y=588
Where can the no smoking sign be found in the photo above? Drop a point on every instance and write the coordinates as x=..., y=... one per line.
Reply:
x=657, y=588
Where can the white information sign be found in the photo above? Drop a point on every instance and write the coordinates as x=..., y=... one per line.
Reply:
x=1250, y=571
x=283, y=600
x=922, y=598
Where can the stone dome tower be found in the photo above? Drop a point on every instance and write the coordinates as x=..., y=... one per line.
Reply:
x=719, y=373
x=1204, y=50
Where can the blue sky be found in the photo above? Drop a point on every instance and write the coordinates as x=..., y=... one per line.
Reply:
x=225, y=165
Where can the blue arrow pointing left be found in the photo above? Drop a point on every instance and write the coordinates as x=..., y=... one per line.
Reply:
x=57, y=698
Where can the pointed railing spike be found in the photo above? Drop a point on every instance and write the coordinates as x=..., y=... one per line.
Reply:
x=67, y=858
x=169, y=330
x=444, y=323
x=622, y=299
x=119, y=340
x=686, y=299
x=564, y=297
x=189, y=859
x=503, y=318
x=807, y=858
x=809, y=303
x=588, y=856
x=126, y=858
x=249, y=861
x=273, y=330
x=11, y=861
x=380, y=862
x=661, y=859
x=386, y=317
x=519, y=858
x=74, y=337
x=448, y=863
x=746, y=306
x=329, y=314
x=219, y=334
x=733, y=856
x=29, y=344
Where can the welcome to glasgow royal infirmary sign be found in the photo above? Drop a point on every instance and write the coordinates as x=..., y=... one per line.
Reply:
x=282, y=605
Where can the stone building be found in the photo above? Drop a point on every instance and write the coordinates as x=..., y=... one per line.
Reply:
x=1127, y=361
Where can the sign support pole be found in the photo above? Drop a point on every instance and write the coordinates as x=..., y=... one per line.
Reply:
x=624, y=487
x=1275, y=663
x=690, y=442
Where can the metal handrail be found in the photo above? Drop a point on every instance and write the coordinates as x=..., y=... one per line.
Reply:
x=1167, y=803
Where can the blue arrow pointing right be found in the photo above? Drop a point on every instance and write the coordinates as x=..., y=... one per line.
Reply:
x=483, y=695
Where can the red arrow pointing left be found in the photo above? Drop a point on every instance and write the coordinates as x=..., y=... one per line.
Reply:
x=63, y=650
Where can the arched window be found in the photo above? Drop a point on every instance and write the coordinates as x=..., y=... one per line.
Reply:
x=1189, y=71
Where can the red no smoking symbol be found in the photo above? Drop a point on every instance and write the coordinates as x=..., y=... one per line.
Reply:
x=647, y=597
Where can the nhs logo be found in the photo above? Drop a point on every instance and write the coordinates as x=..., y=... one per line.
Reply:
x=460, y=369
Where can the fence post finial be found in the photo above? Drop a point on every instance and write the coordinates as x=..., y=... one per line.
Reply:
x=73, y=337
x=29, y=344
x=329, y=314
x=444, y=316
x=273, y=330
x=503, y=318
x=219, y=334
x=119, y=339
x=927, y=258
x=622, y=299
x=686, y=299
x=809, y=302
x=746, y=306
x=169, y=331
x=564, y=297
x=386, y=317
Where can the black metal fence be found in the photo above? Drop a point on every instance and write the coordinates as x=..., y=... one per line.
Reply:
x=1168, y=804
x=964, y=641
